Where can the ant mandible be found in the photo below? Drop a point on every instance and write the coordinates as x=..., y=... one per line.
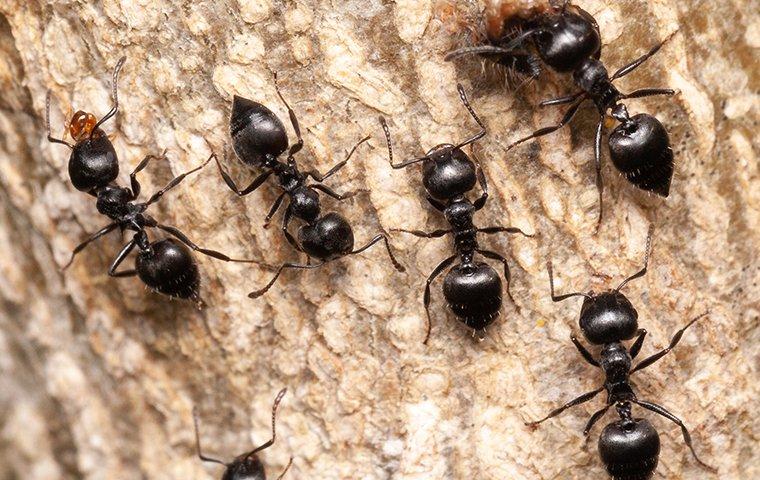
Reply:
x=629, y=447
x=259, y=139
x=567, y=39
x=247, y=466
x=165, y=266
x=472, y=289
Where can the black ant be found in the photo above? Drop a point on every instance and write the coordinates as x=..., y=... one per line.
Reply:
x=259, y=138
x=165, y=266
x=247, y=466
x=567, y=39
x=630, y=446
x=472, y=289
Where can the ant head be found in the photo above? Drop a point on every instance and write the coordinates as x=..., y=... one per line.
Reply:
x=567, y=38
x=608, y=317
x=640, y=150
x=245, y=467
x=93, y=162
x=304, y=204
x=630, y=448
x=473, y=293
x=82, y=125
x=258, y=136
x=447, y=172
x=168, y=267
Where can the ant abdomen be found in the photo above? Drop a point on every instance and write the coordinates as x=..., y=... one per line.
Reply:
x=448, y=172
x=328, y=238
x=640, y=150
x=257, y=133
x=93, y=163
x=473, y=293
x=168, y=267
x=630, y=449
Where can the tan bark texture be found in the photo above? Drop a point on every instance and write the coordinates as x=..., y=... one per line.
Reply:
x=100, y=376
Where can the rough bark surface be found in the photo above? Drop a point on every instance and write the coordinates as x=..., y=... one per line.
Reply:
x=99, y=376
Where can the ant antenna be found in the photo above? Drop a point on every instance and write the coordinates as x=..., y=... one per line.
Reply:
x=482, y=132
x=47, y=124
x=286, y=469
x=403, y=164
x=269, y=443
x=115, y=94
x=643, y=271
x=559, y=298
x=198, y=442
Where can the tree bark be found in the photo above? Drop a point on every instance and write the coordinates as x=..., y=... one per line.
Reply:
x=99, y=376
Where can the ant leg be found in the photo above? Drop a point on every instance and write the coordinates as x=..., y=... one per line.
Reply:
x=595, y=418
x=198, y=441
x=175, y=232
x=270, y=442
x=660, y=410
x=384, y=238
x=482, y=132
x=103, y=231
x=285, y=222
x=420, y=233
x=569, y=114
x=256, y=183
x=403, y=164
x=175, y=181
x=333, y=193
x=673, y=342
x=273, y=210
x=626, y=69
x=286, y=469
x=648, y=92
x=636, y=347
x=559, y=298
x=435, y=203
x=426, y=296
x=262, y=291
x=561, y=100
x=490, y=230
x=598, y=165
x=572, y=403
x=133, y=176
x=295, y=148
x=120, y=258
x=114, y=93
x=584, y=353
x=50, y=137
x=647, y=252
x=481, y=201
x=507, y=275
x=321, y=178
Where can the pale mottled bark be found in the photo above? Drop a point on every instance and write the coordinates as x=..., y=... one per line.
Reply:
x=99, y=376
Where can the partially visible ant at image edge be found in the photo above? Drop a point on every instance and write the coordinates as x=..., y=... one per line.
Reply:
x=165, y=266
x=247, y=466
x=567, y=39
x=629, y=447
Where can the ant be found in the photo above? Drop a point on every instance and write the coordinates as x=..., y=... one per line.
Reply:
x=259, y=139
x=247, y=466
x=165, y=266
x=472, y=289
x=630, y=446
x=567, y=39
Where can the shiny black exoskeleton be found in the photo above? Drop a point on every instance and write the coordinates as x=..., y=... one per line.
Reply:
x=247, y=466
x=259, y=140
x=166, y=266
x=472, y=289
x=566, y=38
x=629, y=447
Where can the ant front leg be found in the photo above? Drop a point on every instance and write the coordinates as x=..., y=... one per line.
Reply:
x=103, y=231
x=626, y=69
x=140, y=167
x=636, y=347
x=435, y=203
x=256, y=183
x=173, y=183
x=569, y=114
x=561, y=100
x=490, y=230
x=333, y=193
x=673, y=342
x=273, y=210
x=120, y=258
x=481, y=201
x=584, y=353
x=572, y=403
x=420, y=233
